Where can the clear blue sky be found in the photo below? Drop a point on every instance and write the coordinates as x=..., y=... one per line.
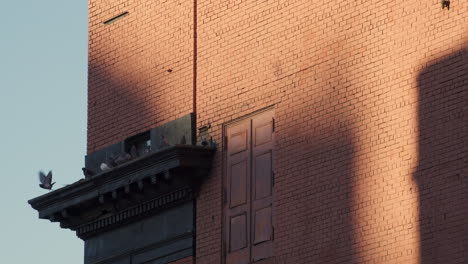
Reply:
x=43, y=64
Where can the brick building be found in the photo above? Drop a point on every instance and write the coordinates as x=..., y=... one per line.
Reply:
x=274, y=131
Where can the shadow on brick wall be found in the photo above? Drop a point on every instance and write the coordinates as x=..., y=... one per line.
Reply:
x=315, y=220
x=442, y=168
x=331, y=226
x=316, y=170
x=326, y=175
x=118, y=105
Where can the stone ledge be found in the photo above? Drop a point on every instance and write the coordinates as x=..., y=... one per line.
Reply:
x=129, y=191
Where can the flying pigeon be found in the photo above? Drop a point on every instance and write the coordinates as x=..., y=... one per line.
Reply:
x=446, y=3
x=88, y=172
x=46, y=181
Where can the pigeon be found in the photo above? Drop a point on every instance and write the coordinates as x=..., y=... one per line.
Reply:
x=104, y=167
x=88, y=172
x=124, y=157
x=111, y=162
x=133, y=152
x=446, y=3
x=108, y=164
x=46, y=181
x=164, y=142
x=147, y=150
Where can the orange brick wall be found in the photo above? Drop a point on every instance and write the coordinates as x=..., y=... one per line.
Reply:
x=370, y=102
x=140, y=70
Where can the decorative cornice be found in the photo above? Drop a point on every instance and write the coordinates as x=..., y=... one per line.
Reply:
x=133, y=213
x=127, y=192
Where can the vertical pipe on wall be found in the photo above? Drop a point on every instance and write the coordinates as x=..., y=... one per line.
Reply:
x=195, y=59
x=194, y=139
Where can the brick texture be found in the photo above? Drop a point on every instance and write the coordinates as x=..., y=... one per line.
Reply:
x=370, y=98
x=135, y=64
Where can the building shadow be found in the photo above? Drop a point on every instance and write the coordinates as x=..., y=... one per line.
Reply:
x=315, y=207
x=315, y=170
x=442, y=174
x=332, y=223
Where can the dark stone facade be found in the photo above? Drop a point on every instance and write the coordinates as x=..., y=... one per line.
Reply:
x=161, y=238
x=141, y=211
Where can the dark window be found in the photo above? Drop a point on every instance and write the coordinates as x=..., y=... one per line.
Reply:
x=142, y=143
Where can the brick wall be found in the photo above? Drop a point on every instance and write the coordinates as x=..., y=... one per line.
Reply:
x=140, y=70
x=370, y=102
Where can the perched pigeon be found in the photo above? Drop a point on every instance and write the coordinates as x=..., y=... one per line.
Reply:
x=108, y=164
x=111, y=162
x=46, y=181
x=88, y=172
x=147, y=150
x=125, y=157
x=133, y=152
x=104, y=167
x=164, y=142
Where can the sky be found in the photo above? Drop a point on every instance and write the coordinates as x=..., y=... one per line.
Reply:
x=43, y=79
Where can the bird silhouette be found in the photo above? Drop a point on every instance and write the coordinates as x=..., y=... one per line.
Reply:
x=88, y=172
x=46, y=181
x=446, y=4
